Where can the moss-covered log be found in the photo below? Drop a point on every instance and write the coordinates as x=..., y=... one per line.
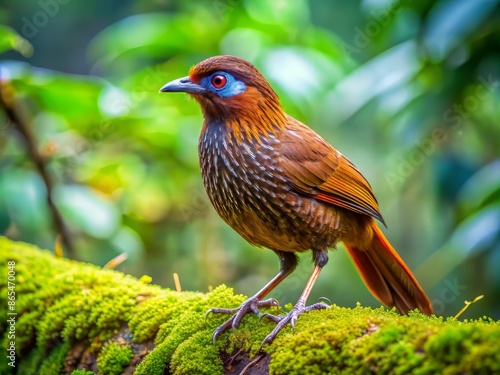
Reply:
x=75, y=318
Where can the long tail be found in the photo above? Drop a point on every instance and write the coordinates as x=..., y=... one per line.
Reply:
x=387, y=276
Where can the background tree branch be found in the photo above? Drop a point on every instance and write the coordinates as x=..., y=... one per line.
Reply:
x=16, y=116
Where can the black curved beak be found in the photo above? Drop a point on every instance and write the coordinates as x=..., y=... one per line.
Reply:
x=183, y=85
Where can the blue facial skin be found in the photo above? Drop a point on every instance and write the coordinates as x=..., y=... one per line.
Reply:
x=231, y=88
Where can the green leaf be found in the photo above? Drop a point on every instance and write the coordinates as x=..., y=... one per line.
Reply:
x=11, y=40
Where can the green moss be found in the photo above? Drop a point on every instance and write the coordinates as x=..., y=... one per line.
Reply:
x=54, y=362
x=197, y=355
x=81, y=372
x=469, y=348
x=190, y=319
x=149, y=315
x=91, y=309
x=61, y=303
x=31, y=363
x=44, y=361
x=113, y=358
x=363, y=340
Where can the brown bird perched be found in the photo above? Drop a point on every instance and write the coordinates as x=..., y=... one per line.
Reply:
x=281, y=186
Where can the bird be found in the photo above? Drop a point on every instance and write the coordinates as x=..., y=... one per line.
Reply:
x=281, y=186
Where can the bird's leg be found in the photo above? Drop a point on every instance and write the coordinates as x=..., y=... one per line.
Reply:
x=320, y=259
x=288, y=262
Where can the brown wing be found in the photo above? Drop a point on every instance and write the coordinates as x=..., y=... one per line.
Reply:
x=316, y=169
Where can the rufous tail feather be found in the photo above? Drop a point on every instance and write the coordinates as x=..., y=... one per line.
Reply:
x=387, y=276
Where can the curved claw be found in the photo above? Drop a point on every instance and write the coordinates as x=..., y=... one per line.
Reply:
x=251, y=305
x=317, y=306
x=270, y=302
x=222, y=328
x=321, y=299
x=291, y=318
x=209, y=311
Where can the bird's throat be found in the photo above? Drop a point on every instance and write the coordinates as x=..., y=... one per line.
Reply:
x=240, y=128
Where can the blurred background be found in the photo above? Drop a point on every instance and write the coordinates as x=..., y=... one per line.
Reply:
x=407, y=90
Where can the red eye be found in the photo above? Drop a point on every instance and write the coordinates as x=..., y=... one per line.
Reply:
x=219, y=81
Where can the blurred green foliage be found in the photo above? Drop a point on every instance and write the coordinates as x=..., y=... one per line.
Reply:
x=409, y=91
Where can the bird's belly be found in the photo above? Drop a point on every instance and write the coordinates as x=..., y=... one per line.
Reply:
x=289, y=233
x=279, y=220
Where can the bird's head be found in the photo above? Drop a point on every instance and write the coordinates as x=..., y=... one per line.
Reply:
x=233, y=91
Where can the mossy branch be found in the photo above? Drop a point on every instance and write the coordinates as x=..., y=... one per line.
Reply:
x=74, y=316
